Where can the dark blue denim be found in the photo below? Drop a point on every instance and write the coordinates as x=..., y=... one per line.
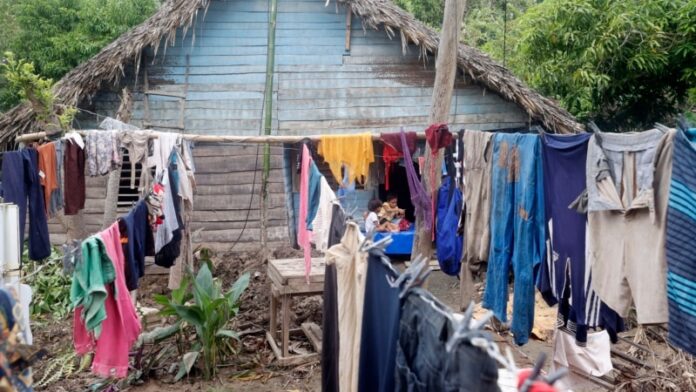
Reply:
x=21, y=186
x=380, y=329
x=423, y=364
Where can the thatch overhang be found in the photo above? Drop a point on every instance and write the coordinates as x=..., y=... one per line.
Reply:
x=108, y=66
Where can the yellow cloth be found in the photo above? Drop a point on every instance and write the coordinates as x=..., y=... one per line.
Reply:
x=353, y=151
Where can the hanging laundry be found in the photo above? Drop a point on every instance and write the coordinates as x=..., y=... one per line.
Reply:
x=171, y=250
x=311, y=146
x=10, y=245
x=419, y=197
x=162, y=147
x=304, y=235
x=351, y=265
x=330, y=326
x=392, y=151
x=139, y=243
x=449, y=243
x=185, y=185
x=166, y=231
x=101, y=158
x=628, y=178
x=422, y=361
x=57, y=195
x=21, y=186
x=321, y=224
x=680, y=247
x=354, y=151
x=565, y=278
x=74, y=176
x=438, y=136
x=394, y=141
x=380, y=328
x=477, y=198
x=136, y=143
x=88, y=291
x=330, y=338
x=517, y=229
x=314, y=194
x=591, y=359
x=390, y=157
x=121, y=328
x=47, y=172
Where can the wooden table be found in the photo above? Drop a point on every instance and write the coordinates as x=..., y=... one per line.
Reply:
x=288, y=280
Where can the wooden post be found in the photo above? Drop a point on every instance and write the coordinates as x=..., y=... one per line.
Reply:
x=445, y=74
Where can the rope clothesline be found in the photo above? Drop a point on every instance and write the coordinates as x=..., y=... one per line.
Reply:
x=272, y=139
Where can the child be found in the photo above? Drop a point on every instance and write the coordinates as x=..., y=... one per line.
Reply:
x=390, y=210
x=373, y=222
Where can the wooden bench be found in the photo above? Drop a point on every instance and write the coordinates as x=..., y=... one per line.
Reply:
x=287, y=281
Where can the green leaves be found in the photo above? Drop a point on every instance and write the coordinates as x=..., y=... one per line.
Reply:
x=51, y=288
x=625, y=64
x=201, y=304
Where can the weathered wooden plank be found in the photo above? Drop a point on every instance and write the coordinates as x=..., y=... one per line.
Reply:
x=457, y=102
x=236, y=188
x=396, y=122
x=228, y=225
x=239, y=177
x=370, y=92
x=253, y=214
x=218, y=150
x=279, y=234
x=237, y=202
x=199, y=114
x=407, y=59
x=242, y=246
x=235, y=164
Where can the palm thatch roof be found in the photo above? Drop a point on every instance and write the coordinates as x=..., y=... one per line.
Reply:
x=108, y=66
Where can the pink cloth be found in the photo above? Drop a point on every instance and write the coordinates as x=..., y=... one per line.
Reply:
x=303, y=235
x=121, y=327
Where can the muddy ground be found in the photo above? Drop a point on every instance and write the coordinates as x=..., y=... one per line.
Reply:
x=253, y=369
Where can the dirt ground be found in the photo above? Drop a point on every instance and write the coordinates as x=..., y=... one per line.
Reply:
x=253, y=369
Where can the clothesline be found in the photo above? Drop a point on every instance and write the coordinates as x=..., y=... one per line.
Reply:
x=29, y=137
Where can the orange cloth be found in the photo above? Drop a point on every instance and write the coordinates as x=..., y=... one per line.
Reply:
x=353, y=151
x=47, y=171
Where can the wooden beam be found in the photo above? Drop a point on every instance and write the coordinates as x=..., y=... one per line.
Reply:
x=445, y=74
x=272, y=139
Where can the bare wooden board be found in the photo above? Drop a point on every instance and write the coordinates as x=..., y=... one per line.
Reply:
x=314, y=334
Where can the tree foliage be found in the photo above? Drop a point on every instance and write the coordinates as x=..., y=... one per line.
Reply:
x=625, y=64
x=57, y=35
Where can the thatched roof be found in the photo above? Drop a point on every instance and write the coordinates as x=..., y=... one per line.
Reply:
x=107, y=67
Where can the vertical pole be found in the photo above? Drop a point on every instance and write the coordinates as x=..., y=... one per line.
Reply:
x=445, y=73
x=268, y=120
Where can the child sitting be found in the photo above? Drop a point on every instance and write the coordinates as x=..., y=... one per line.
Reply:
x=373, y=222
x=390, y=210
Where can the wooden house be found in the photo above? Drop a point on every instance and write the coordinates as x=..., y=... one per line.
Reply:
x=218, y=67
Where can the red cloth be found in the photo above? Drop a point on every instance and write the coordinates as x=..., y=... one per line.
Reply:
x=390, y=156
x=537, y=386
x=394, y=141
x=438, y=136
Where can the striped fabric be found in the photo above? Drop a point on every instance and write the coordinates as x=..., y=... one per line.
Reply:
x=681, y=247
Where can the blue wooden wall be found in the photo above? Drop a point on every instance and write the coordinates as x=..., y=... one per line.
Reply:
x=318, y=88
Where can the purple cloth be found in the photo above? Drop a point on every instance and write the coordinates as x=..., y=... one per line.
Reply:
x=419, y=197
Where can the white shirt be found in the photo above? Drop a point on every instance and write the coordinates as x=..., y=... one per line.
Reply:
x=371, y=222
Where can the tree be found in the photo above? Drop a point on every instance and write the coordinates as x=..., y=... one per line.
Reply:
x=445, y=73
x=57, y=35
x=625, y=64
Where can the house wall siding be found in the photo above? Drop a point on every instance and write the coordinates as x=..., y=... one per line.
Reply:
x=319, y=88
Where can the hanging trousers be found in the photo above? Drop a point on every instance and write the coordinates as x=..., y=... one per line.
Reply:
x=21, y=186
x=517, y=229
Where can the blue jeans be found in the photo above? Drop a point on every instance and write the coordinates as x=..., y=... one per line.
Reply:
x=517, y=228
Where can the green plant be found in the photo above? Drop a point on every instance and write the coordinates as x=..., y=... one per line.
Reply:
x=50, y=285
x=201, y=304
